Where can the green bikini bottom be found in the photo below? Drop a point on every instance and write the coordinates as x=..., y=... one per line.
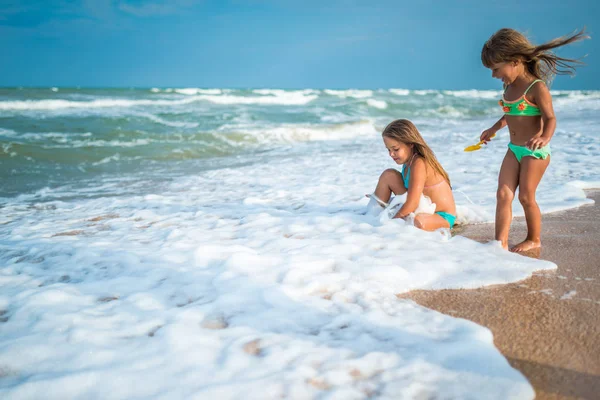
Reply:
x=522, y=151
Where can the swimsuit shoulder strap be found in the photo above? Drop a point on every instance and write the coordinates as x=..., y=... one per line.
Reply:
x=530, y=86
x=406, y=167
x=406, y=174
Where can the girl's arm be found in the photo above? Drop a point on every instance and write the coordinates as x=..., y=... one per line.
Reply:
x=543, y=99
x=418, y=175
x=488, y=133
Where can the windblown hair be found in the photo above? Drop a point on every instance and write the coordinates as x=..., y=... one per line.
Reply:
x=508, y=45
x=406, y=132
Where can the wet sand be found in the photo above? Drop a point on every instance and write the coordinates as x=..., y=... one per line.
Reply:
x=547, y=326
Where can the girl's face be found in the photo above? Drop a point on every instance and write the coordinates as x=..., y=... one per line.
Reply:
x=507, y=72
x=400, y=152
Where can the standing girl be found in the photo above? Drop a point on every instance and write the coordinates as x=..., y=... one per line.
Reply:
x=421, y=174
x=525, y=70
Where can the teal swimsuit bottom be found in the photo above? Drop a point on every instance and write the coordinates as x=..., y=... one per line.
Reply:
x=448, y=217
x=522, y=151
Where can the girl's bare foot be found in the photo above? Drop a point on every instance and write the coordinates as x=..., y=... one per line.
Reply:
x=526, y=245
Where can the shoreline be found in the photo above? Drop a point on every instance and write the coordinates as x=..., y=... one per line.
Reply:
x=546, y=325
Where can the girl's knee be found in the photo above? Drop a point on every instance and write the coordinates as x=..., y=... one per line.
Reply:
x=389, y=176
x=389, y=173
x=527, y=199
x=504, y=194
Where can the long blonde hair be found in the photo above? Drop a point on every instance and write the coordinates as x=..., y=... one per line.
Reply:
x=508, y=45
x=406, y=132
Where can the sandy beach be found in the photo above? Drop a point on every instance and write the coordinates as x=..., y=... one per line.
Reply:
x=547, y=325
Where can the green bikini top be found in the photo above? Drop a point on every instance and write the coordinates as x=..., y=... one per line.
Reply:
x=520, y=106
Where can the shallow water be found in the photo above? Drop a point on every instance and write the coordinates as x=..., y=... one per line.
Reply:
x=212, y=242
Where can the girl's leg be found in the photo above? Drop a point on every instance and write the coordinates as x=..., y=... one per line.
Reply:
x=389, y=181
x=507, y=184
x=532, y=170
x=430, y=222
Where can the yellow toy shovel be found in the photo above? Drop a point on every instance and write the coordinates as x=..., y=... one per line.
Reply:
x=477, y=146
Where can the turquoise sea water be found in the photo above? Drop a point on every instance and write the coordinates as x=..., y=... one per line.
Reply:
x=51, y=137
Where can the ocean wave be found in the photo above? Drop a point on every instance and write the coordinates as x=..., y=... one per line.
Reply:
x=202, y=143
x=49, y=105
x=58, y=141
x=305, y=133
x=473, y=93
x=189, y=91
x=195, y=91
x=451, y=111
x=7, y=132
x=37, y=105
x=85, y=153
x=577, y=94
x=577, y=100
x=7, y=149
x=56, y=136
x=106, y=160
x=282, y=92
x=104, y=143
x=448, y=111
x=285, y=98
x=400, y=92
x=377, y=103
x=174, y=124
x=425, y=92
x=353, y=93
x=329, y=117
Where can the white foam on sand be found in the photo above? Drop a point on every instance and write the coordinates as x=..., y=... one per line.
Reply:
x=255, y=282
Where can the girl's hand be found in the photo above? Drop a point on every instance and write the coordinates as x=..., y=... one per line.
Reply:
x=400, y=216
x=537, y=142
x=486, y=135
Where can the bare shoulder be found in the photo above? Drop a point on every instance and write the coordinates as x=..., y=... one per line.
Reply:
x=541, y=97
x=419, y=166
x=540, y=91
x=419, y=162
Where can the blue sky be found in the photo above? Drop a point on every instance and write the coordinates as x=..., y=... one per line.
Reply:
x=419, y=44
